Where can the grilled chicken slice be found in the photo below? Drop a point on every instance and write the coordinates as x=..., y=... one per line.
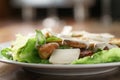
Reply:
x=85, y=52
x=47, y=49
x=75, y=44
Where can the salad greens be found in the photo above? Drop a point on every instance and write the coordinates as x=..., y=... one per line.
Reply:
x=19, y=43
x=104, y=56
x=40, y=38
x=24, y=49
x=6, y=53
x=28, y=53
x=64, y=47
x=53, y=39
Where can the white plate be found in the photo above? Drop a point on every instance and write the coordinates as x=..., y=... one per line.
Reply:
x=81, y=69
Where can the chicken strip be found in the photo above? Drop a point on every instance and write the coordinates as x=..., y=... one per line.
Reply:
x=85, y=52
x=46, y=50
x=75, y=44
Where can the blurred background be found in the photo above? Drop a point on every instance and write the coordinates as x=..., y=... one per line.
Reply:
x=24, y=16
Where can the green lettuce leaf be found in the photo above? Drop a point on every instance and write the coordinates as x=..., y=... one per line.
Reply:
x=24, y=49
x=112, y=55
x=6, y=52
x=53, y=39
x=28, y=53
x=64, y=47
x=19, y=42
x=40, y=38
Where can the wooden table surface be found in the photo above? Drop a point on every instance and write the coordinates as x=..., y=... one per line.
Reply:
x=9, y=29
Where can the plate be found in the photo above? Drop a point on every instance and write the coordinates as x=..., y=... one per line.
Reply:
x=57, y=69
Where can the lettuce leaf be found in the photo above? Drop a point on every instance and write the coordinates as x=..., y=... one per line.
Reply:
x=29, y=53
x=6, y=52
x=53, y=39
x=112, y=55
x=19, y=42
x=40, y=38
x=24, y=49
x=64, y=47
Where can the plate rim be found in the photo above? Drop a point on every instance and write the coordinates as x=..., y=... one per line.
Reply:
x=36, y=65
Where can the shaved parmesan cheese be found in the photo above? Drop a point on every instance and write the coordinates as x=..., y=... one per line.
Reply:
x=64, y=56
x=102, y=45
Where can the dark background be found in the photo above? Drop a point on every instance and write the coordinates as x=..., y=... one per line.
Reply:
x=95, y=11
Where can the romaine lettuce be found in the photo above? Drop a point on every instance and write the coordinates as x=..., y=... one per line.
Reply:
x=29, y=53
x=24, y=49
x=105, y=56
x=7, y=53
x=40, y=38
x=53, y=39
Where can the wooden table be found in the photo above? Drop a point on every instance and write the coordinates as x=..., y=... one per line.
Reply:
x=13, y=72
